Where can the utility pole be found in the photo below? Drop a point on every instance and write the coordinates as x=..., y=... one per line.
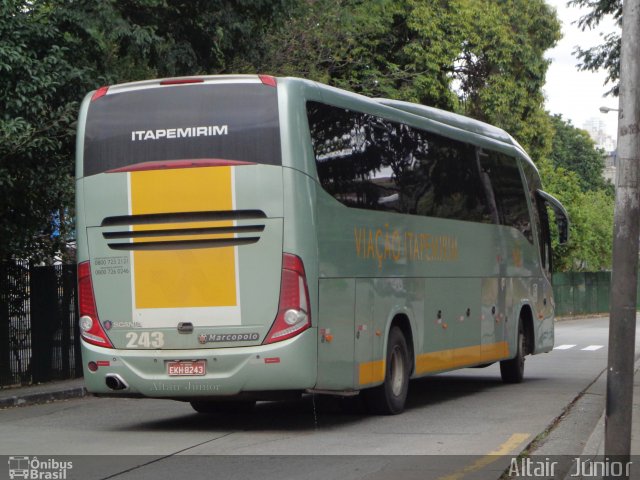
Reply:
x=622, y=326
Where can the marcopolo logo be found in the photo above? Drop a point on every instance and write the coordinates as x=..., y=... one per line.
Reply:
x=38, y=469
x=228, y=337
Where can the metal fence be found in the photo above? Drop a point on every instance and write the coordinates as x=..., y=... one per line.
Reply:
x=578, y=293
x=39, y=337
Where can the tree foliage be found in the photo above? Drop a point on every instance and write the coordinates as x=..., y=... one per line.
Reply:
x=606, y=55
x=591, y=214
x=573, y=174
x=573, y=149
x=481, y=58
x=135, y=39
x=35, y=130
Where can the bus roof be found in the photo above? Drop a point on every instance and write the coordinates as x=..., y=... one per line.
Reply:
x=175, y=81
x=457, y=121
x=441, y=116
x=452, y=119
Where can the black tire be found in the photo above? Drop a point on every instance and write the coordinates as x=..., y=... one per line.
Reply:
x=512, y=371
x=390, y=397
x=203, y=406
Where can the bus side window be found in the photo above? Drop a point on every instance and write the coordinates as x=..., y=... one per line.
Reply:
x=365, y=161
x=541, y=220
x=508, y=190
x=485, y=180
x=544, y=234
x=540, y=217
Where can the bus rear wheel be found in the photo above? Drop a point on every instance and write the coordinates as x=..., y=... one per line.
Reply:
x=390, y=397
x=512, y=371
x=226, y=406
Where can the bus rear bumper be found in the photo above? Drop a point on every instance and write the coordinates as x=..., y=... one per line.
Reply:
x=286, y=365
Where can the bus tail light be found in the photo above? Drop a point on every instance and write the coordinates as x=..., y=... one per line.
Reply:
x=268, y=80
x=99, y=93
x=293, y=315
x=181, y=81
x=90, y=328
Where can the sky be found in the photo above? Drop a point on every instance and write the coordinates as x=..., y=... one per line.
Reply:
x=576, y=95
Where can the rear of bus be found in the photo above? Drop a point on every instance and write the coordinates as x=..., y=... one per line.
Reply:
x=187, y=288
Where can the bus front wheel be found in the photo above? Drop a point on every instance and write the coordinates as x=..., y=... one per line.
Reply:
x=389, y=398
x=512, y=371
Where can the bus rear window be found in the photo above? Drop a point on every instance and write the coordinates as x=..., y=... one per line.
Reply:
x=204, y=121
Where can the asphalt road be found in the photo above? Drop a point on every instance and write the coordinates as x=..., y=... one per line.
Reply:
x=465, y=421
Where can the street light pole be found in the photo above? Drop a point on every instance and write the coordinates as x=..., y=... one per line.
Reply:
x=622, y=327
x=608, y=109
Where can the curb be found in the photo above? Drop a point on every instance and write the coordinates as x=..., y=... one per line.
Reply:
x=575, y=428
x=41, y=397
x=595, y=444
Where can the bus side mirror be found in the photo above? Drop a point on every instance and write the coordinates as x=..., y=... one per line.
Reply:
x=562, y=217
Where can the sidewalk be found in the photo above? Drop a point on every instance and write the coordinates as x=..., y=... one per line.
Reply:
x=580, y=430
x=595, y=443
x=42, y=393
x=594, y=448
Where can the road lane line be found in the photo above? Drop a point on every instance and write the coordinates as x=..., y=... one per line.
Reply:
x=592, y=348
x=564, y=347
x=507, y=447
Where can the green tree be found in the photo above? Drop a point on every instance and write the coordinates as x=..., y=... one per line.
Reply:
x=573, y=173
x=35, y=165
x=366, y=47
x=50, y=56
x=138, y=39
x=477, y=57
x=504, y=67
x=574, y=150
x=591, y=215
x=606, y=55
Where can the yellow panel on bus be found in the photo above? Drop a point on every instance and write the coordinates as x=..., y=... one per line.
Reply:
x=199, y=277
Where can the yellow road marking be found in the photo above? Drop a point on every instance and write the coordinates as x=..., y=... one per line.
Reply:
x=507, y=447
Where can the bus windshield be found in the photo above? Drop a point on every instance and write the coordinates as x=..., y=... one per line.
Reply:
x=207, y=121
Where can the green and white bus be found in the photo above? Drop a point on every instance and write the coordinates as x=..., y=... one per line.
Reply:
x=243, y=238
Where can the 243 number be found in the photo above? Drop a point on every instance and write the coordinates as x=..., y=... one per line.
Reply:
x=145, y=339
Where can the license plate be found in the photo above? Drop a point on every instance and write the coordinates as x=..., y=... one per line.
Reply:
x=184, y=368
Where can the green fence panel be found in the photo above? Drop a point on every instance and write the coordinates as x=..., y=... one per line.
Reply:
x=579, y=293
x=563, y=293
x=591, y=292
x=604, y=291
